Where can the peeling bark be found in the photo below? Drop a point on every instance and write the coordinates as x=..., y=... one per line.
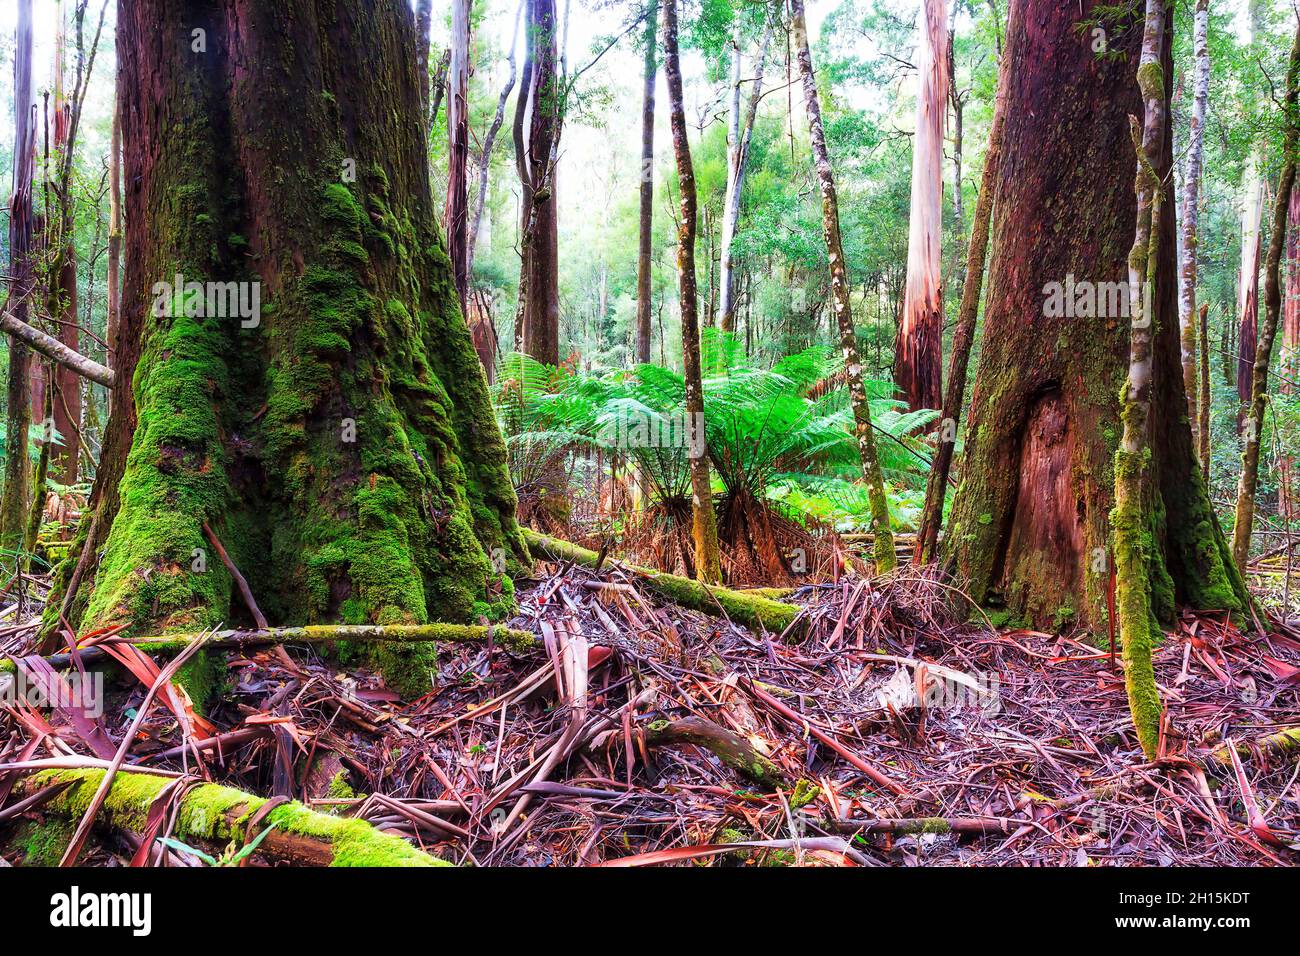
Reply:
x=918, y=363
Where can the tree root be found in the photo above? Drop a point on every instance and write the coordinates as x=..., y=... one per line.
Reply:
x=213, y=814
x=750, y=610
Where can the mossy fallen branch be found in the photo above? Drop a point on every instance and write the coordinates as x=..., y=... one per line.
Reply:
x=313, y=634
x=211, y=813
x=727, y=745
x=747, y=609
x=1284, y=744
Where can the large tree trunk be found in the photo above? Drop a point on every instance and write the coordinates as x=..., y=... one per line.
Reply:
x=114, y=238
x=885, y=556
x=739, y=135
x=918, y=364
x=13, y=503
x=1029, y=526
x=457, y=208
x=537, y=116
x=1254, y=430
x=341, y=443
x=645, y=250
x=704, y=521
x=1191, y=205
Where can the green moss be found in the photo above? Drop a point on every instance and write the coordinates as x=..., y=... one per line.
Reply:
x=44, y=843
x=202, y=676
x=1139, y=632
x=339, y=788
x=218, y=814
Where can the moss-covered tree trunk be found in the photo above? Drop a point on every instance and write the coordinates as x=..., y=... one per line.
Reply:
x=340, y=442
x=1030, y=524
x=1289, y=503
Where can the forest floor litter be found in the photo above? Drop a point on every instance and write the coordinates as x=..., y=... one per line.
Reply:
x=882, y=729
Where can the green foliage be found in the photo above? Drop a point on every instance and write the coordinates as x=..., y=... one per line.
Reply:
x=765, y=437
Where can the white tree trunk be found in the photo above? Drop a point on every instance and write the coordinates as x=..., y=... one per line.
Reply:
x=1191, y=205
x=918, y=371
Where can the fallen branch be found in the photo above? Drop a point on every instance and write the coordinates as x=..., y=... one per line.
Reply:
x=308, y=634
x=729, y=747
x=975, y=825
x=211, y=813
x=747, y=609
x=56, y=351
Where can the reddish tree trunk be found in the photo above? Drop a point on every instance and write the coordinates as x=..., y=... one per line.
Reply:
x=1030, y=525
x=457, y=209
x=645, y=251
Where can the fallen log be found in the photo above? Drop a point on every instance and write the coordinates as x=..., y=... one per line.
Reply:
x=729, y=747
x=750, y=610
x=214, y=814
x=307, y=634
x=916, y=825
x=56, y=351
